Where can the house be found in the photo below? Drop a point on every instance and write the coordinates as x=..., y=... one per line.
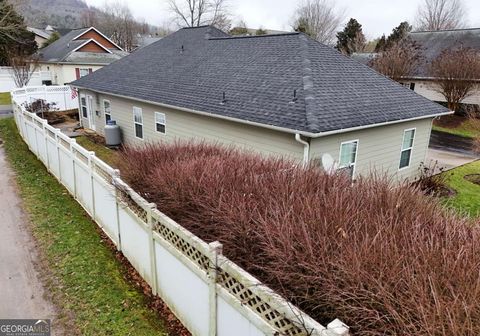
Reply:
x=41, y=35
x=282, y=94
x=431, y=44
x=78, y=53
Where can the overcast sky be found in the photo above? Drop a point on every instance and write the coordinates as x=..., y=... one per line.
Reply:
x=376, y=16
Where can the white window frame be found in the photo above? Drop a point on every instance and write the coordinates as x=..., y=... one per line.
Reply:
x=83, y=96
x=105, y=110
x=354, y=164
x=83, y=69
x=414, y=129
x=137, y=123
x=164, y=122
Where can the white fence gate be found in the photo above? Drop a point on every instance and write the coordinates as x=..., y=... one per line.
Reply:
x=208, y=293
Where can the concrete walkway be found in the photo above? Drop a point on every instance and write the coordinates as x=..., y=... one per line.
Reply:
x=21, y=291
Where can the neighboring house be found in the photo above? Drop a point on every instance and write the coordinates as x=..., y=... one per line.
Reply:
x=431, y=45
x=282, y=94
x=77, y=54
x=41, y=35
x=145, y=40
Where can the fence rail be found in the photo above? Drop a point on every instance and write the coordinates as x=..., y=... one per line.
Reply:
x=208, y=293
x=63, y=96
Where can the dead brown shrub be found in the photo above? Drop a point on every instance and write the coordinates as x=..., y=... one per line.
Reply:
x=387, y=261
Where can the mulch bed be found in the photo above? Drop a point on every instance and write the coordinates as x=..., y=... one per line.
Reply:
x=474, y=178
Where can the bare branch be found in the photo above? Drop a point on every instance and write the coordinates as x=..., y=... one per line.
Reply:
x=398, y=61
x=456, y=73
x=319, y=19
x=441, y=15
x=194, y=13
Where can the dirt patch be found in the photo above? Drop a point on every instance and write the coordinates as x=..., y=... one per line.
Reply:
x=474, y=178
x=449, y=121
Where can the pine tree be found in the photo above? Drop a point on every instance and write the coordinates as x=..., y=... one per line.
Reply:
x=14, y=36
x=381, y=44
x=351, y=39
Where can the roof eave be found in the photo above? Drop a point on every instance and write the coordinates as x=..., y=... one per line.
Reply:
x=271, y=127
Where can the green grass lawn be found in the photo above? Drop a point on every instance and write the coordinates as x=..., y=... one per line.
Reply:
x=5, y=98
x=458, y=126
x=89, y=280
x=105, y=154
x=467, y=199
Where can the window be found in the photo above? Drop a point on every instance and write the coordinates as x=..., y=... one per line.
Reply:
x=160, y=122
x=138, y=122
x=84, y=72
x=412, y=86
x=107, y=110
x=407, y=146
x=348, y=156
x=83, y=105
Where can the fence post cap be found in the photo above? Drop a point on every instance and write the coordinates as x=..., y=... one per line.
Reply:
x=337, y=327
x=216, y=246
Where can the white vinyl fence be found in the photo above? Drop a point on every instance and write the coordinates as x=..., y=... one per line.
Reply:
x=209, y=294
x=63, y=96
x=7, y=83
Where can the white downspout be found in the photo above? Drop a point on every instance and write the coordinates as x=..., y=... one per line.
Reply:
x=306, y=148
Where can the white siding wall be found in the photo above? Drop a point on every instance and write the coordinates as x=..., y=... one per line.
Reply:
x=379, y=148
x=185, y=126
x=65, y=73
x=427, y=89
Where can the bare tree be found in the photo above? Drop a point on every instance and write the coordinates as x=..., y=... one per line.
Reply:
x=117, y=21
x=398, y=61
x=319, y=19
x=441, y=15
x=22, y=67
x=194, y=13
x=457, y=74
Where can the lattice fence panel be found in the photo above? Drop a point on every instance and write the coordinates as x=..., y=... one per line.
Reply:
x=258, y=305
x=182, y=245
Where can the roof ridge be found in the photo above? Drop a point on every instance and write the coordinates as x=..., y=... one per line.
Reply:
x=234, y=37
x=311, y=119
x=443, y=30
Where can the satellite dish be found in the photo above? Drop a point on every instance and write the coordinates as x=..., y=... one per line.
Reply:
x=328, y=163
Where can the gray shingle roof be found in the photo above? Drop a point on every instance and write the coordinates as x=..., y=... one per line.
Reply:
x=432, y=43
x=192, y=67
x=62, y=51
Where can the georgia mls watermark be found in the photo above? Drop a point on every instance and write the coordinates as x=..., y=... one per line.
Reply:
x=11, y=327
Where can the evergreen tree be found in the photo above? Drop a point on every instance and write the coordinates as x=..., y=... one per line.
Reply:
x=14, y=36
x=381, y=44
x=351, y=39
x=398, y=34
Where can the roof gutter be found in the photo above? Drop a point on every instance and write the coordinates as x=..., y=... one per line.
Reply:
x=271, y=127
x=306, y=149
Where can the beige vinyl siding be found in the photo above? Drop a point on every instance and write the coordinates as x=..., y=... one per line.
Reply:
x=428, y=90
x=185, y=126
x=379, y=148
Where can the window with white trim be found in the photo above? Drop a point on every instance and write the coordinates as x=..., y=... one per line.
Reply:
x=348, y=156
x=107, y=110
x=84, y=72
x=160, y=122
x=138, y=122
x=83, y=106
x=407, y=147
